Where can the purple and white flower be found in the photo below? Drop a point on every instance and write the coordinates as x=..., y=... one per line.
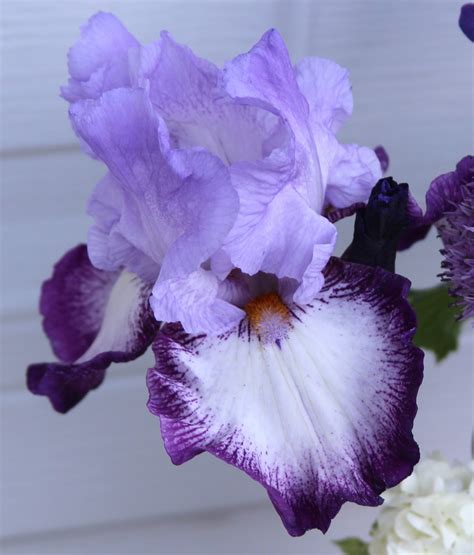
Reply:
x=294, y=366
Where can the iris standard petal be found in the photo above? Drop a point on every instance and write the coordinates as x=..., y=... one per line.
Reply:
x=92, y=318
x=188, y=92
x=267, y=240
x=177, y=205
x=353, y=172
x=99, y=60
x=297, y=397
x=327, y=88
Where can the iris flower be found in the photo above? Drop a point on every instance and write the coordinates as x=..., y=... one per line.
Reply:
x=210, y=241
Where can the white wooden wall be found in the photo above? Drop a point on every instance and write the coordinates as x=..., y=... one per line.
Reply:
x=98, y=480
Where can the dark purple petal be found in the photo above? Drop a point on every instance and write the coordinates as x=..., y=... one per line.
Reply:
x=73, y=303
x=466, y=21
x=444, y=194
x=317, y=403
x=383, y=157
x=92, y=318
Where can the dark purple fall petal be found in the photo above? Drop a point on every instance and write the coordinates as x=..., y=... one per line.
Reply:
x=322, y=416
x=92, y=318
x=466, y=21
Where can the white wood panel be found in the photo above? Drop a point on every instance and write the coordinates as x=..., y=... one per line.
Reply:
x=247, y=530
x=105, y=462
x=382, y=42
x=102, y=462
x=37, y=35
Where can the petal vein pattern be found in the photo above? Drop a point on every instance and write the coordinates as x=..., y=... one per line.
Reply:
x=320, y=417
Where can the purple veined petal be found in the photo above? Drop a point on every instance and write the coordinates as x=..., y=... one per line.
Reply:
x=327, y=88
x=196, y=302
x=99, y=60
x=177, y=206
x=353, y=172
x=317, y=416
x=267, y=240
x=466, y=21
x=92, y=318
x=187, y=91
x=267, y=74
x=383, y=157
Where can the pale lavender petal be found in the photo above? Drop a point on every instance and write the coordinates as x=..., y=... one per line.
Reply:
x=327, y=89
x=268, y=240
x=266, y=73
x=188, y=93
x=99, y=60
x=316, y=416
x=195, y=302
x=352, y=174
x=111, y=239
x=92, y=318
x=176, y=207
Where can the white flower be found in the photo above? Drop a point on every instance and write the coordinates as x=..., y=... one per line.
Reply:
x=431, y=511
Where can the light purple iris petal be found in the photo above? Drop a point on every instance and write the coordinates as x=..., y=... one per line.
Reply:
x=319, y=417
x=266, y=73
x=176, y=207
x=268, y=241
x=195, y=301
x=92, y=318
x=327, y=88
x=188, y=93
x=99, y=60
x=466, y=21
x=352, y=174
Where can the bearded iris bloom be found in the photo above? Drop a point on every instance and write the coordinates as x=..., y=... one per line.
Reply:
x=210, y=240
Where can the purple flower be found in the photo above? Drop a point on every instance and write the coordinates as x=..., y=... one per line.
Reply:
x=450, y=207
x=265, y=128
x=296, y=367
x=466, y=21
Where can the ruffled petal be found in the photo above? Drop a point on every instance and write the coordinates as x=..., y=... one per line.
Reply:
x=98, y=62
x=327, y=89
x=92, y=318
x=353, y=172
x=266, y=73
x=266, y=238
x=196, y=302
x=188, y=93
x=176, y=207
x=321, y=416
